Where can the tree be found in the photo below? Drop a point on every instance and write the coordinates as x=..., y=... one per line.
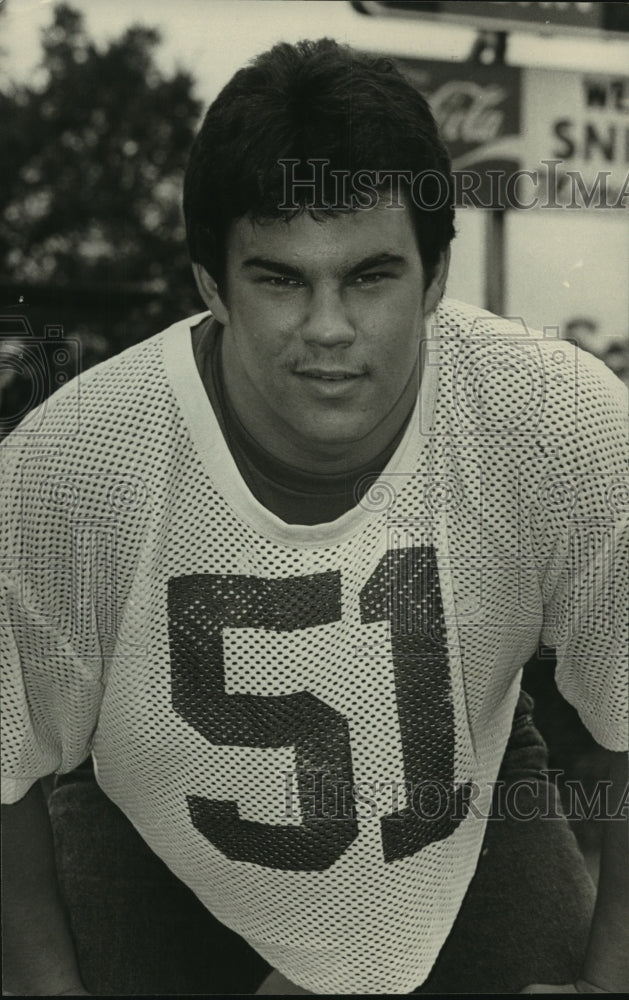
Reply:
x=91, y=176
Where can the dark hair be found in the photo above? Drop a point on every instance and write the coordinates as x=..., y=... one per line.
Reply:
x=315, y=99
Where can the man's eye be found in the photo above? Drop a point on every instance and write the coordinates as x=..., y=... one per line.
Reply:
x=373, y=278
x=280, y=281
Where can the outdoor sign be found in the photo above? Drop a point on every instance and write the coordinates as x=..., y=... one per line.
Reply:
x=581, y=15
x=508, y=15
x=581, y=121
x=530, y=138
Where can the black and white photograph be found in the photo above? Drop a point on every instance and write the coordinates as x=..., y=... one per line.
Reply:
x=314, y=497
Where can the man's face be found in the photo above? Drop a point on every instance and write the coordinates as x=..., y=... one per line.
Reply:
x=323, y=323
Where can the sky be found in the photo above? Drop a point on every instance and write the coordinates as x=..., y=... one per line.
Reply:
x=214, y=37
x=580, y=264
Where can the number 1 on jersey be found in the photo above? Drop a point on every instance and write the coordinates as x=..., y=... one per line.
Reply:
x=404, y=590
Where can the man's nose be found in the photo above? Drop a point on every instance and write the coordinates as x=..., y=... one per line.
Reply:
x=327, y=323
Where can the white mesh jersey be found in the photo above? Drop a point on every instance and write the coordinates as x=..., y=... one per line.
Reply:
x=296, y=718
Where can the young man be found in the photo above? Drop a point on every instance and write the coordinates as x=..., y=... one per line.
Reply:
x=282, y=581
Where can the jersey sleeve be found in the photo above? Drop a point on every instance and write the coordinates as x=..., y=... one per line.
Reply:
x=581, y=524
x=50, y=648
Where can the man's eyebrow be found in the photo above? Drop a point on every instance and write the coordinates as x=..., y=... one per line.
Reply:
x=272, y=265
x=382, y=259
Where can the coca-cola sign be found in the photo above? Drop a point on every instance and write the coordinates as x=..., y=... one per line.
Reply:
x=478, y=111
x=469, y=113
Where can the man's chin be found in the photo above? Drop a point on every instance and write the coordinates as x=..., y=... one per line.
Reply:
x=340, y=445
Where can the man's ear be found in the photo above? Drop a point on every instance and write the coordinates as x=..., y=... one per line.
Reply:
x=437, y=287
x=208, y=291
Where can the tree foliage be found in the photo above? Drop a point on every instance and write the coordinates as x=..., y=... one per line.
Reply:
x=92, y=169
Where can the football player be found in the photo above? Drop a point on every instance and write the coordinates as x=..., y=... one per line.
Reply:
x=280, y=572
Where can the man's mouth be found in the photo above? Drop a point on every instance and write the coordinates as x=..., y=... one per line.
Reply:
x=327, y=375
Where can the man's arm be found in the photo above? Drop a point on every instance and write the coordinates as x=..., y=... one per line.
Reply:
x=38, y=952
x=606, y=966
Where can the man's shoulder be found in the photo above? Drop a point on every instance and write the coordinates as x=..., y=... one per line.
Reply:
x=120, y=388
x=509, y=379
x=140, y=360
x=115, y=415
x=471, y=323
